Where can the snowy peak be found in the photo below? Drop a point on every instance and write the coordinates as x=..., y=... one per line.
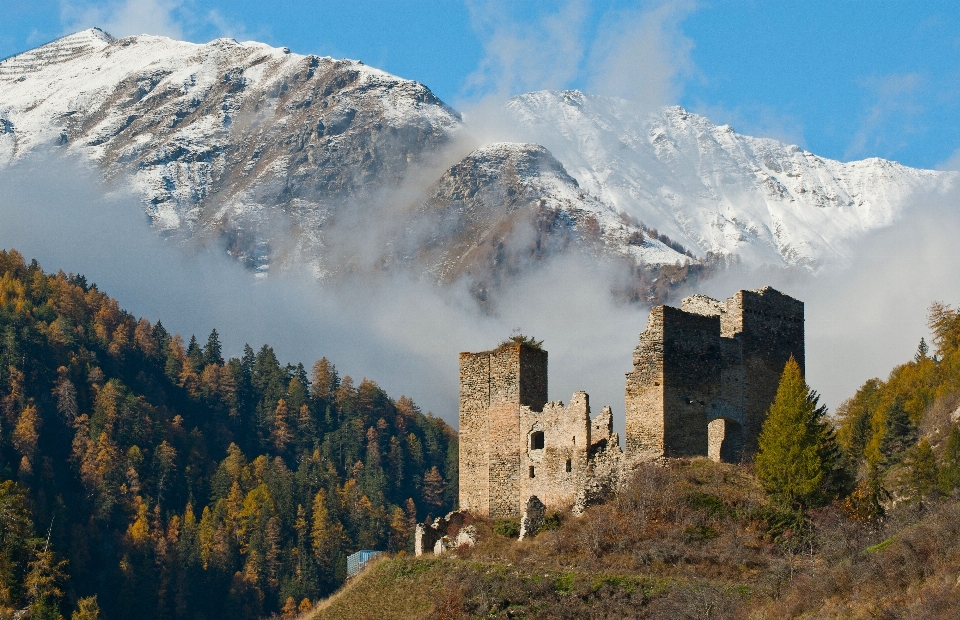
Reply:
x=715, y=190
x=507, y=203
x=291, y=159
x=61, y=50
x=224, y=137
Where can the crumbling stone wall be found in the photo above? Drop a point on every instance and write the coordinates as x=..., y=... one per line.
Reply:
x=674, y=384
x=704, y=376
x=550, y=471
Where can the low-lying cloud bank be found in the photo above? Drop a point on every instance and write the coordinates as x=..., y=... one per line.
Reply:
x=405, y=333
x=400, y=330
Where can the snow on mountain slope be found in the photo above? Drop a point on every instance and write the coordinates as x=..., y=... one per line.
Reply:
x=506, y=202
x=239, y=140
x=714, y=190
x=290, y=159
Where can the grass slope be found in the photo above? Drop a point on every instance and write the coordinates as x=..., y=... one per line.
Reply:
x=694, y=539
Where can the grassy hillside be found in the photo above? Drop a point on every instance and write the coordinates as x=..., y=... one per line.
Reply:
x=694, y=539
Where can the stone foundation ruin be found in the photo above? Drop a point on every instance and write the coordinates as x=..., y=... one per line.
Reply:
x=703, y=378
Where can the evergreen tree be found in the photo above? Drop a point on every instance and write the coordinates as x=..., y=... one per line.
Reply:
x=949, y=477
x=195, y=354
x=212, y=353
x=900, y=433
x=122, y=425
x=922, y=350
x=918, y=479
x=797, y=454
x=87, y=609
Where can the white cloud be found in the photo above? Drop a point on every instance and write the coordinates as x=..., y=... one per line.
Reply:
x=400, y=330
x=891, y=117
x=170, y=18
x=642, y=55
x=637, y=54
x=952, y=162
x=126, y=17
x=519, y=57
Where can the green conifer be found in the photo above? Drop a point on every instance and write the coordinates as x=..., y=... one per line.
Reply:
x=797, y=454
x=918, y=479
x=949, y=477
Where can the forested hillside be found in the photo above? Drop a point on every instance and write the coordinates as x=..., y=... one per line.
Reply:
x=171, y=483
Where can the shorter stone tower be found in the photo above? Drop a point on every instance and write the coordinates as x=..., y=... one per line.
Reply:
x=515, y=445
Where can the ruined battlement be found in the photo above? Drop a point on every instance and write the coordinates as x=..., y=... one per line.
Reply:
x=704, y=376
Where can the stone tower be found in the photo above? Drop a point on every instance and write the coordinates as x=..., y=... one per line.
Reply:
x=494, y=385
x=705, y=375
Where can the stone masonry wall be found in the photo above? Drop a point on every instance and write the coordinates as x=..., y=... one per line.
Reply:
x=644, y=399
x=552, y=472
x=703, y=379
x=474, y=455
x=493, y=387
x=771, y=330
x=691, y=370
x=705, y=388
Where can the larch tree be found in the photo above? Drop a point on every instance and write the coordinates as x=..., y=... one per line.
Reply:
x=797, y=454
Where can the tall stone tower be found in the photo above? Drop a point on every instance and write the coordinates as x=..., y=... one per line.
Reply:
x=493, y=387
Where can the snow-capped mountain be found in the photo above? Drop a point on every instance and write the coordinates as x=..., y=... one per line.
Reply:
x=714, y=190
x=266, y=150
x=330, y=164
x=509, y=201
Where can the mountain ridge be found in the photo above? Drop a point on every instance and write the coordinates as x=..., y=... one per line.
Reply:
x=270, y=153
x=715, y=190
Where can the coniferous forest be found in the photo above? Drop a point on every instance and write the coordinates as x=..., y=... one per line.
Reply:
x=169, y=482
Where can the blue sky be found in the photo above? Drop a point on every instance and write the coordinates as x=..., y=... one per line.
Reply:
x=844, y=79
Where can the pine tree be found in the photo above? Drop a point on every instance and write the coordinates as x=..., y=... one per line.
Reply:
x=949, y=477
x=44, y=577
x=918, y=479
x=899, y=434
x=281, y=426
x=797, y=453
x=433, y=487
x=212, y=353
x=323, y=379
x=87, y=609
x=195, y=354
x=922, y=350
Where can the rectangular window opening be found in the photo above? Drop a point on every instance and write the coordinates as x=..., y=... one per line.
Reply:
x=569, y=466
x=532, y=474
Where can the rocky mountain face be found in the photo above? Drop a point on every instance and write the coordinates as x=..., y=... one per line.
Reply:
x=714, y=190
x=286, y=159
x=508, y=203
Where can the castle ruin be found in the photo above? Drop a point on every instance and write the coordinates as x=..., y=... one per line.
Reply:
x=704, y=376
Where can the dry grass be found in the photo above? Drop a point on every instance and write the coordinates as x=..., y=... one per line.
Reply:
x=691, y=540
